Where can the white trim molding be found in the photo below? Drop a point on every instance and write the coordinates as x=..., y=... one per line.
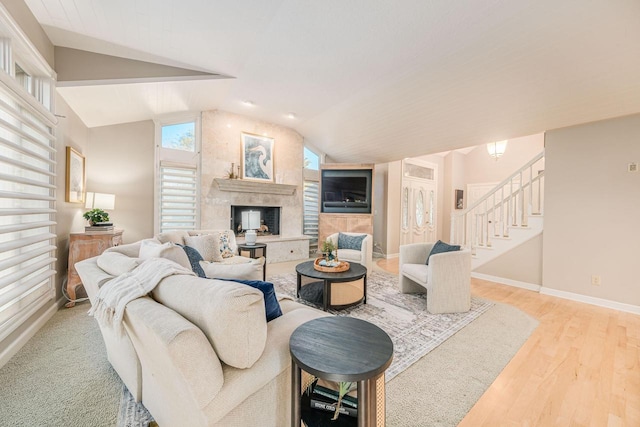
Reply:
x=620, y=306
x=510, y=282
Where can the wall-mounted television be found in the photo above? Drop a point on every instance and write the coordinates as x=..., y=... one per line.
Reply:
x=346, y=191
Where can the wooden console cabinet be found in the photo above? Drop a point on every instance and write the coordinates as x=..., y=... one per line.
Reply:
x=83, y=246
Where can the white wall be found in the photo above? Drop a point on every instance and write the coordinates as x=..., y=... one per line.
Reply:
x=71, y=132
x=120, y=161
x=592, y=212
x=380, y=198
x=523, y=263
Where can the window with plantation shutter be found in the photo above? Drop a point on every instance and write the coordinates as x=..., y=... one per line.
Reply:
x=310, y=215
x=177, y=198
x=27, y=207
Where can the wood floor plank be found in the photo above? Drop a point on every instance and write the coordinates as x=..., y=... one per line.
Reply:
x=580, y=367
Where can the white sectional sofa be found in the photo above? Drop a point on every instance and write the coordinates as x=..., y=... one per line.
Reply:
x=199, y=352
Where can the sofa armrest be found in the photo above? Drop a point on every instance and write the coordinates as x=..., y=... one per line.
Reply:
x=450, y=273
x=414, y=253
x=180, y=370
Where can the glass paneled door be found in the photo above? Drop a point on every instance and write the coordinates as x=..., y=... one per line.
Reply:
x=419, y=202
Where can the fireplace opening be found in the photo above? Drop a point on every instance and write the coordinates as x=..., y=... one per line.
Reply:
x=269, y=220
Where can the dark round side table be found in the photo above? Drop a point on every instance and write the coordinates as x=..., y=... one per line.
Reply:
x=355, y=272
x=339, y=348
x=255, y=251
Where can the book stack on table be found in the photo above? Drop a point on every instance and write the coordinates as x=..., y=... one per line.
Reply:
x=326, y=398
x=99, y=227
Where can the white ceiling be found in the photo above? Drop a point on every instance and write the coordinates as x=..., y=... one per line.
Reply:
x=369, y=80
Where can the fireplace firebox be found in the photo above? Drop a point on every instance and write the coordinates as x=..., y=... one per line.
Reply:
x=269, y=219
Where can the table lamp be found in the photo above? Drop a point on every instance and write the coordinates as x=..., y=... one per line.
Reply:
x=250, y=222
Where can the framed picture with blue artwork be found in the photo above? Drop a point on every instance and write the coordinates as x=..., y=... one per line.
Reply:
x=257, y=157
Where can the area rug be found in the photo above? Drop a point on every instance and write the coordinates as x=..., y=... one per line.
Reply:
x=404, y=317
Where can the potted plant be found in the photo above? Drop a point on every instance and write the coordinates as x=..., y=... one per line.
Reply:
x=95, y=216
x=328, y=247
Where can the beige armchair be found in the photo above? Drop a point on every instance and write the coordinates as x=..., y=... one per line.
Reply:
x=446, y=280
x=363, y=256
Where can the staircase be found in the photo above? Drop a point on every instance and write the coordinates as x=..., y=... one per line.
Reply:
x=504, y=218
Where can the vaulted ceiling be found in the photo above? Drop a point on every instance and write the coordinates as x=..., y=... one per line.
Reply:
x=368, y=80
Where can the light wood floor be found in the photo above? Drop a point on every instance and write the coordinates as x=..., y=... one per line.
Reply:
x=580, y=367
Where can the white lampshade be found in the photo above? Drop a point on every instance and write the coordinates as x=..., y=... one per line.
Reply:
x=100, y=201
x=497, y=149
x=250, y=220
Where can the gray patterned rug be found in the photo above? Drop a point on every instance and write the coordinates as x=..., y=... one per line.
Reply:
x=404, y=317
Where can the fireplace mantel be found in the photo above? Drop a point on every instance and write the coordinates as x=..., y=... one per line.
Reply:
x=245, y=186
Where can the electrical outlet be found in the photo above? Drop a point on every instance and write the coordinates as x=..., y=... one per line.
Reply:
x=595, y=280
x=633, y=167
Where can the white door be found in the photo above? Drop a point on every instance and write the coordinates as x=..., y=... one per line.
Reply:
x=418, y=202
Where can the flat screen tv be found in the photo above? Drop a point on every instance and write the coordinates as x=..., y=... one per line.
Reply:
x=346, y=191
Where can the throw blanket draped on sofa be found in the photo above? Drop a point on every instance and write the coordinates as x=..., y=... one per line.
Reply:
x=113, y=297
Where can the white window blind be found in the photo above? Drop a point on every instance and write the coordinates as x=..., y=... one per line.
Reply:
x=27, y=209
x=310, y=216
x=178, y=197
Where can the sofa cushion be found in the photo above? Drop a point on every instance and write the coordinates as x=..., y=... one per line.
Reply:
x=416, y=272
x=231, y=315
x=207, y=245
x=173, y=237
x=116, y=263
x=441, y=247
x=271, y=306
x=194, y=259
x=251, y=270
x=152, y=248
x=347, y=241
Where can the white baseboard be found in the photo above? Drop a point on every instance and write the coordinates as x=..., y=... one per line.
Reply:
x=18, y=343
x=391, y=256
x=504, y=281
x=628, y=308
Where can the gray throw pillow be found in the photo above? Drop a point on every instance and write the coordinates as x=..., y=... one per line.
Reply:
x=346, y=241
x=441, y=247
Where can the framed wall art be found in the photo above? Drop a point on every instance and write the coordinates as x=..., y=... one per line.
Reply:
x=459, y=199
x=257, y=157
x=75, y=177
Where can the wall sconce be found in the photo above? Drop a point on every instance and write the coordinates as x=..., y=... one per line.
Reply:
x=100, y=201
x=497, y=149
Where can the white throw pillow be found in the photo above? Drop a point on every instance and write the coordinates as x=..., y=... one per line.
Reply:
x=173, y=237
x=151, y=248
x=115, y=263
x=207, y=245
x=247, y=271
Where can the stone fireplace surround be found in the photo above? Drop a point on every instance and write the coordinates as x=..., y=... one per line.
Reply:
x=221, y=147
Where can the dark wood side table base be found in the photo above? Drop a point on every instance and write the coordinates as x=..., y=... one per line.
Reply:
x=253, y=254
x=329, y=348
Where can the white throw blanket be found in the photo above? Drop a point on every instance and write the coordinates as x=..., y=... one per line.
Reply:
x=113, y=297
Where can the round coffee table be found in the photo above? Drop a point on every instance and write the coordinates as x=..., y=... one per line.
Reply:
x=355, y=272
x=342, y=349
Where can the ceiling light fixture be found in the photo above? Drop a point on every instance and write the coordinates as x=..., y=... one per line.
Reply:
x=497, y=149
x=291, y=115
x=249, y=103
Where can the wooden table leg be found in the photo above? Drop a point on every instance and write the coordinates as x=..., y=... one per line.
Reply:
x=296, y=385
x=326, y=295
x=363, y=403
x=298, y=286
x=365, y=288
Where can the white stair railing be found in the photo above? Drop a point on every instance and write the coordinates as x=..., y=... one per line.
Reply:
x=508, y=204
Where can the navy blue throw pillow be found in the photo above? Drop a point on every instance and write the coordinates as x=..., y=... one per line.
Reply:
x=194, y=259
x=441, y=247
x=346, y=241
x=271, y=305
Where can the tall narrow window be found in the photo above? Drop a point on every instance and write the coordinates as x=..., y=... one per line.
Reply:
x=311, y=204
x=178, y=176
x=27, y=215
